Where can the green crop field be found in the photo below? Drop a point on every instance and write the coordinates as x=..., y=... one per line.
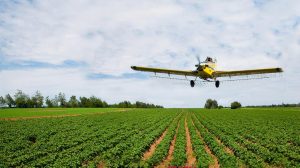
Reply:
x=43, y=112
x=253, y=137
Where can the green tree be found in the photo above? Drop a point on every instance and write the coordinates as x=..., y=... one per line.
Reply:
x=9, y=100
x=21, y=99
x=104, y=104
x=125, y=104
x=95, y=102
x=30, y=103
x=84, y=102
x=49, y=102
x=235, y=105
x=211, y=104
x=139, y=104
x=73, y=102
x=61, y=98
x=37, y=99
x=2, y=101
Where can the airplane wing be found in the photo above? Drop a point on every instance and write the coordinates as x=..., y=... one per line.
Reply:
x=246, y=72
x=166, y=71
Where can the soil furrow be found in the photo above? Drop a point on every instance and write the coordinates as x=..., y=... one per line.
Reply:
x=168, y=159
x=151, y=150
x=191, y=159
x=216, y=162
x=101, y=165
x=227, y=150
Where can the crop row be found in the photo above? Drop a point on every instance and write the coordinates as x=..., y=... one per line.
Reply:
x=225, y=159
x=76, y=141
x=65, y=149
x=252, y=153
x=276, y=159
x=203, y=158
x=162, y=148
x=179, y=155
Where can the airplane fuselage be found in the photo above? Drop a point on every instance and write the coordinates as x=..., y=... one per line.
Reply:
x=205, y=72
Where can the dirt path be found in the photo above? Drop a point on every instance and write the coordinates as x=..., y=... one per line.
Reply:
x=151, y=150
x=191, y=159
x=216, y=162
x=168, y=159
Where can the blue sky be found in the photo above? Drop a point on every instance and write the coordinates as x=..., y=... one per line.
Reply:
x=86, y=48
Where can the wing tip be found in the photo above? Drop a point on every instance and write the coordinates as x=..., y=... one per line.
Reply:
x=133, y=67
x=279, y=69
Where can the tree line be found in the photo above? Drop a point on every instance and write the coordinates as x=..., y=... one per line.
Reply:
x=277, y=105
x=22, y=100
x=213, y=104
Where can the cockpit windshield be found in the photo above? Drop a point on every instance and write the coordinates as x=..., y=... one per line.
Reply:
x=209, y=59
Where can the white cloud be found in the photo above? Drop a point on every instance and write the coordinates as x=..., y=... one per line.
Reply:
x=110, y=36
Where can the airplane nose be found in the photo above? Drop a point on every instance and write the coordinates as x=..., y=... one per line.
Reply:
x=133, y=67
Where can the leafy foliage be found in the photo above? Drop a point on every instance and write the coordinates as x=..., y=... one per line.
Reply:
x=235, y=105
x=203, y=158
x=2, y=101
x=179, y=156
x=162, y=149
x=9, y=101
x=22, y=100
x=256, y=142
x=211, y=104
x=119, y=139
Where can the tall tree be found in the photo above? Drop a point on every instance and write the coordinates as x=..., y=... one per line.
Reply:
x=85, y=102
x=21, y=99
x=73, y=102
x=49, y=102
x=211, y=104
x=95, y=102
x=9, y=100
x=104, y=104
x=38, y=99
x=2, y=101
x=62, y=100
x=235, y=105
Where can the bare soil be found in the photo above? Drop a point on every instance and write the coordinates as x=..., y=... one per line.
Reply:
x=151, y=150
x=101, y=165
x=216, y=162
x=191, y=159
x=168, y=159
x=227, y=150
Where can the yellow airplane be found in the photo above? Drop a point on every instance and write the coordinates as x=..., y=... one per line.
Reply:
x=206, y=71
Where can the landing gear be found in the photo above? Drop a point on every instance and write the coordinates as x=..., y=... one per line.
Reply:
x=192, y=83
x=217, y=84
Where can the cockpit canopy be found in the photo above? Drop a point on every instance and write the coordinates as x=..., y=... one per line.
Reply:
x=209, y=59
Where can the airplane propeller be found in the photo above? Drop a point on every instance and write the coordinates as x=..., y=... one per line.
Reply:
x=199, y=62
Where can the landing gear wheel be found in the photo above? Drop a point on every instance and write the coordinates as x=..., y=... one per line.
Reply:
x=217, y=84
x=192, y=83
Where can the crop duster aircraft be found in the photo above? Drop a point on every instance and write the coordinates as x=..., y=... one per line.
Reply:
x=207, y=72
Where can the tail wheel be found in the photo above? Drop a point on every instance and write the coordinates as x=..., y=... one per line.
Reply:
x=217, y=84
x=192, y=83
